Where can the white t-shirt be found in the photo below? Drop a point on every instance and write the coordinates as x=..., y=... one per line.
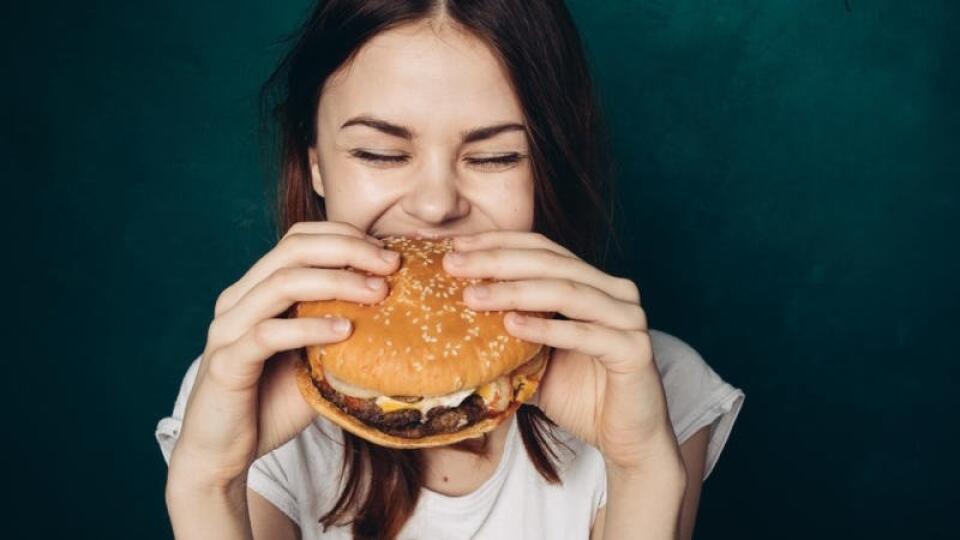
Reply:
x=301, y=477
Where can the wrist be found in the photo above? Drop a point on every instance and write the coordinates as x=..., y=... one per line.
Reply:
x=647, y=499
x=208, y=511
x=190, y=469
x=182, y=480
x=658, y=455
x=668, y=476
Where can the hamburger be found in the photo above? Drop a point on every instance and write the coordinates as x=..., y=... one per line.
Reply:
x=420, y=369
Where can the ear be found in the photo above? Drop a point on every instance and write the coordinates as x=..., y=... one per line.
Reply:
x=315, y=178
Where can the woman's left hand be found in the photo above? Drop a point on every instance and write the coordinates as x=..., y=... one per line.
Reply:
x=601, y=383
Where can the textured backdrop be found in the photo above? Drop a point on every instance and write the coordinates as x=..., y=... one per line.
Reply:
x=789, y=185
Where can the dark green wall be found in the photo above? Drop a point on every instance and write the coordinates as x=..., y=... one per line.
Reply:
x=789, y=178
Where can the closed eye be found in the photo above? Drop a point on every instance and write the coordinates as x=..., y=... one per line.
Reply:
x=484, y=163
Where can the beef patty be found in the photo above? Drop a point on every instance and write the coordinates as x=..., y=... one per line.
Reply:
x=406, y=422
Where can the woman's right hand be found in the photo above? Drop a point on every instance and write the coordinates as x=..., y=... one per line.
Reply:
x=245, y=401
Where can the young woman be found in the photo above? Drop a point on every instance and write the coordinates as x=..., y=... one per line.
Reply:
x=467, y=119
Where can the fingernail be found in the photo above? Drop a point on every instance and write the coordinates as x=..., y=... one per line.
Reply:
x=519, y=319
x=479, y=291
x=389, y=256
x=374, y=283
x=341, y=326
x=455, y=258
x=375, y=240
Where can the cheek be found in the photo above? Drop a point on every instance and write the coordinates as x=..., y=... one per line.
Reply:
x=508, y=201
x=355, y=194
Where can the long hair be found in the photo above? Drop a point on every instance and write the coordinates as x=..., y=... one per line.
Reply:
x=571, y=163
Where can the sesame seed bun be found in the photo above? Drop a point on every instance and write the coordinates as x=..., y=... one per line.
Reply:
x=421, y=340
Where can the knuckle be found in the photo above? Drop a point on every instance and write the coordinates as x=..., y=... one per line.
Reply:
x=547, y=256
x=341, y=278
x=629, y=288
x=640, y=343
x=297, y=228
x=215, y=331
x=340, y=245
x=567, y=287
x=223, y=300
x=283, y=278
x=262, y=334
x=641, y=316
x=293, y=240
x=581, y=329
x=218, y=365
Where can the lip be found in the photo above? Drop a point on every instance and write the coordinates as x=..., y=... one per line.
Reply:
x=432, y=233
x=423, y=233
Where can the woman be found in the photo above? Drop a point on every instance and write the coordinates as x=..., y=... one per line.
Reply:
x=467, y=119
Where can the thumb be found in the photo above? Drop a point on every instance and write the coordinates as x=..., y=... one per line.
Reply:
x=283, y=411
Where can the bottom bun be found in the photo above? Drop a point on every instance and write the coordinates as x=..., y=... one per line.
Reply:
x=333, y=413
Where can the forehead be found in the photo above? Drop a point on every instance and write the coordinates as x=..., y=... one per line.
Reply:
x=426, y=77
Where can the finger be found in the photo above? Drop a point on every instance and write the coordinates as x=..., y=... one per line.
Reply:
x=621, y=352
x=287, y=286
x=526, y=263
x=238, y=365
x=506, y=238
x=305, y=249
x=571, y=299
x=330, y=227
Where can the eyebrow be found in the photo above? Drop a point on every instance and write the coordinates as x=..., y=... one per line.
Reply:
x=473, y=135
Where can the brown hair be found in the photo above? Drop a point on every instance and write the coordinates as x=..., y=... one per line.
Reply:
x=572, y=167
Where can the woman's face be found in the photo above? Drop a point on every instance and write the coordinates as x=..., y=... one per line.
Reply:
x=422, y=133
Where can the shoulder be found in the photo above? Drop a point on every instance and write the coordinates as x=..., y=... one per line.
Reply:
x=683, y=370
x=697, y=396
x=672, y=353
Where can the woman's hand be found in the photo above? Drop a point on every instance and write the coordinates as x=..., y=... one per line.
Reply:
x=601, y=384
x=245, y=401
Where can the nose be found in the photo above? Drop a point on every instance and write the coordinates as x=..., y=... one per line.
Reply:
x=434, y=197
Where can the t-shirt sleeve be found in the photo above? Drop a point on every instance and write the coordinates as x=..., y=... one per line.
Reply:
x=168, y=428
x=696, y=395
x=266, y=476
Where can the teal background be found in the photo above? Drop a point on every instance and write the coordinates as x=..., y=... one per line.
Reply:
x=789, y=176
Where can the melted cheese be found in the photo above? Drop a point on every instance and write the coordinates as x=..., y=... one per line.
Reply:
x=496, y=394
x=388, y=404
x=524, y=386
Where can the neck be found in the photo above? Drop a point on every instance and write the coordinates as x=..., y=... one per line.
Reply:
x=455, y=471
